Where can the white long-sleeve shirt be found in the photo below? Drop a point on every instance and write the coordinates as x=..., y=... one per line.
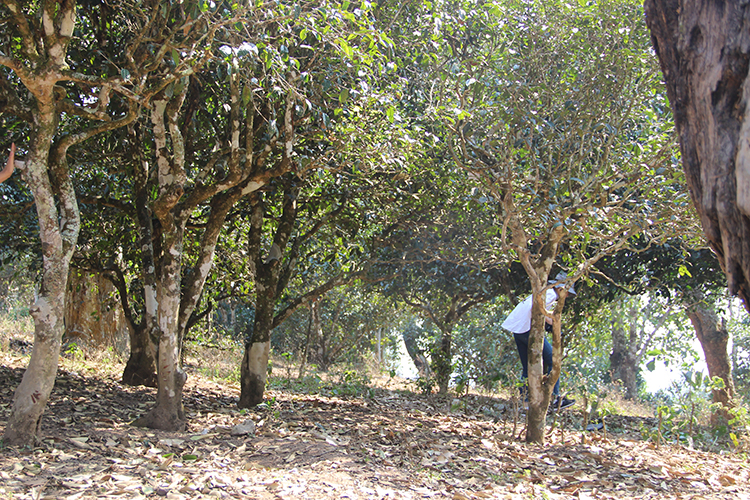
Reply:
x=519, y=319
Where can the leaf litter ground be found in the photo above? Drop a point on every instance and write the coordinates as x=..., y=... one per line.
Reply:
x=389, y=445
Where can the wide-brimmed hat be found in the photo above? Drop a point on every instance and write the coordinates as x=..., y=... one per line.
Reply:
x=559, y=282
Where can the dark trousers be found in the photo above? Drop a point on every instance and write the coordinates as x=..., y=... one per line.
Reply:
x=522, y=343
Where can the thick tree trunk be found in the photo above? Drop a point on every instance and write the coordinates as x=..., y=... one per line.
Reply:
x=168, y=413
x=33, y=392
x=41, y=56
x=254, y=373
x=704, y=54
x=442, y=362
x=415, y=353
x=141, y=366
x=714, y=339
x=58, y=231
x=144, y=335
x=540, y=386
x=40, y=65
x=267, y=272
x=254, y=368
x=623, y=360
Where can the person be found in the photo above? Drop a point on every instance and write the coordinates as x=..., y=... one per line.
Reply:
x=518, y=322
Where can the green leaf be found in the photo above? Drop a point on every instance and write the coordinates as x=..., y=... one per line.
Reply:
x=683, y=271
x=390, y=112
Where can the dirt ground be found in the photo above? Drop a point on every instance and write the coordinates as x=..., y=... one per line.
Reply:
x=390, y=445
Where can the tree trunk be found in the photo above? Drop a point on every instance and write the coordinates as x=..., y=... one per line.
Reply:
x=442, y=362
x=141, y=366
x=254, y=368
x=316, y=347
x=33, y=392
x=253, y=371
x=714, y=339
x=40, y=65
x=415, y=353
x=704, y=55
x=168, y=413
x=42, y=54
x=58, y=231
x=541, y=385
x=144, y=335
x=623, y=360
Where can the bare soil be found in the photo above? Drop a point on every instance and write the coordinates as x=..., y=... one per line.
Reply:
x=387, y=445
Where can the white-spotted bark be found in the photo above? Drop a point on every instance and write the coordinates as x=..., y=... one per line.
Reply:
x=41, y=65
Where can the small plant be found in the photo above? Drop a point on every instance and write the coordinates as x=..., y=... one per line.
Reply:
x=74, y=351
x=425, y=384
x=463, y=384
x=288, y=358
x=268, y=404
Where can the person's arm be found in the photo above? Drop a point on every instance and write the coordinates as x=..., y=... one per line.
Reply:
x=8, y=170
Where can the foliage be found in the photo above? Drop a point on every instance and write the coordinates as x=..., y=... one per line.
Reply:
x=485, y=353
x=683, y=412
x=566, y=115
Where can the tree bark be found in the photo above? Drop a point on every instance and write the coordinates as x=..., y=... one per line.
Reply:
x=48, y=311
x=141, y=366
x=623, y=360
x=714, y=339
x=541, y=385
x=442, y=361
x=57, y=210
x=144, y=337
x=253, y=371
x=415, y=353
x=254, y=368
x=704, y=53
x=168, y=413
